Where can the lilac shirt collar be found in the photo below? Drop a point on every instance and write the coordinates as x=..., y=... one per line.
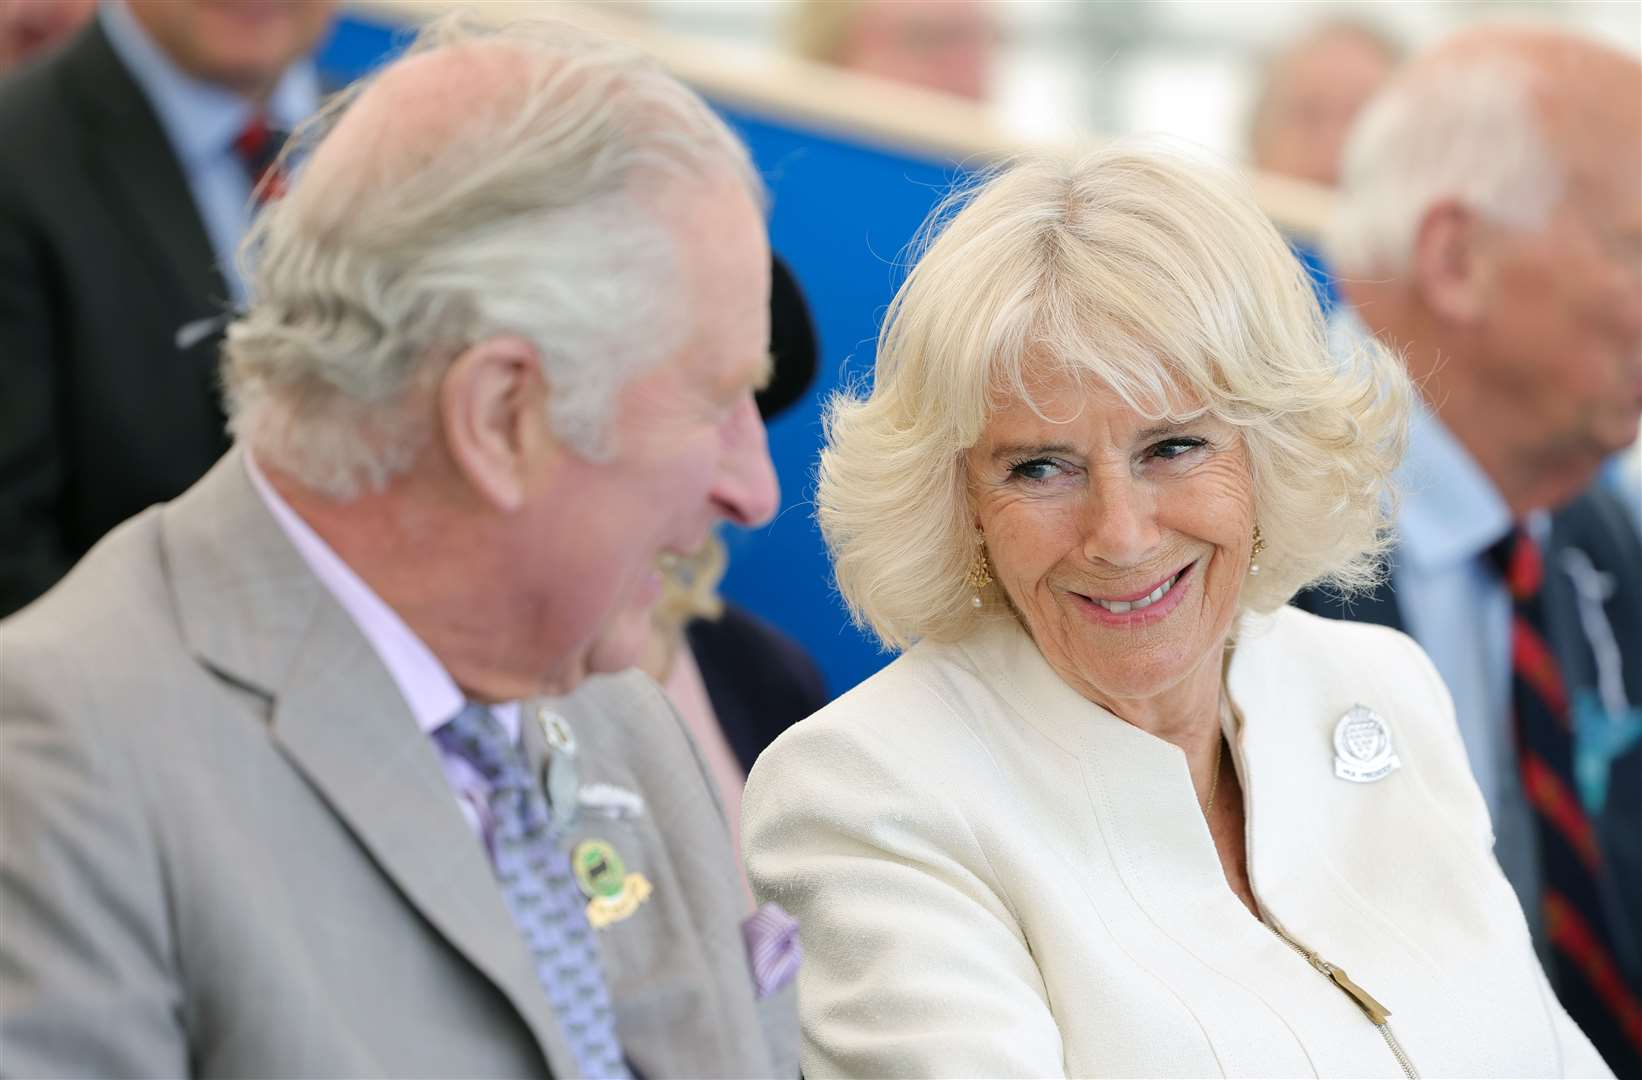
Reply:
x=428, y=689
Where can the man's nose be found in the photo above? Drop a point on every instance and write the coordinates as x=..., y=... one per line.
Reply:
x=747, y=491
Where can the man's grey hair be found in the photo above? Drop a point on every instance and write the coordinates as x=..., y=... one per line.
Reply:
x=1467, y=130
x=534, y=216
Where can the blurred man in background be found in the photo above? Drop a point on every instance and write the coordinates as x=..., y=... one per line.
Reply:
x=1490, y=228
x=145, y=138
x=1310, y=93
x=31, y=27
x=306, y=773
x=945, y=45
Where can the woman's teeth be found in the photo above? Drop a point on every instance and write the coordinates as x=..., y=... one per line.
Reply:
x=1123, y=607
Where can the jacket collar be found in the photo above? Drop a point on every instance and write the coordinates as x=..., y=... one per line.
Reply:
x=252, y=612
x=1146, y=802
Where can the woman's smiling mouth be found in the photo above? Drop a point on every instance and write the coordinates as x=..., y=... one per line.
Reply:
x=1155, y=602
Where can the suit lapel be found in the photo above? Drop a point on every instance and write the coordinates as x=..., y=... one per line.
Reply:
x=674, y=964
x=130, y=160
x=133, y=161
x=253, y=612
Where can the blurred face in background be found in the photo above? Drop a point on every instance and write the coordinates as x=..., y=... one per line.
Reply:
x=1313, y=93
x=244, y=45
x=944, y=45
x=31, y=26
x=1561, y=323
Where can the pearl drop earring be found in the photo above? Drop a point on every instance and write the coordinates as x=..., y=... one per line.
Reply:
x=1254, y=552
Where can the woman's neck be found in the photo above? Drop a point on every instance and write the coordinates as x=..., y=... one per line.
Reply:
x=1186, y=714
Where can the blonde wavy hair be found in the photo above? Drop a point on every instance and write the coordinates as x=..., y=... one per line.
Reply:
x=1135, y=268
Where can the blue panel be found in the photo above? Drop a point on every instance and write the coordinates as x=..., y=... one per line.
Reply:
x=841, y=215
x=356, y=46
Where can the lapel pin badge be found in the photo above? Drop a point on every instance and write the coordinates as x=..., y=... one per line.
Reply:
x=563, y=778
x=1362, y=747
x=612, y=892
x=611, y=801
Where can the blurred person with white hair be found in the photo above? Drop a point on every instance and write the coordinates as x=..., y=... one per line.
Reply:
x=1490, y=230
x=1310, y=93
x=329, y=767
x=1116, y=810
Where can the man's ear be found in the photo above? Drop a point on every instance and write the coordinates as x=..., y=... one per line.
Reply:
x=1451, y=264
x=493, y=416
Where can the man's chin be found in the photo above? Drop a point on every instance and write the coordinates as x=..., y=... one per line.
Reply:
x=622, y=644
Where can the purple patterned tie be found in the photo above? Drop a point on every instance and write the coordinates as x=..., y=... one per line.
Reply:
x=534, y=872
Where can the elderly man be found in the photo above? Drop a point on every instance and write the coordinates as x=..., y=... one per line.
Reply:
x=1310, y=92
x=313, y=771
x=1491, y=230
x=132, y=155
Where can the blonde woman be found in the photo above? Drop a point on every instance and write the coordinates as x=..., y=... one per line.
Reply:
x=1116, y=810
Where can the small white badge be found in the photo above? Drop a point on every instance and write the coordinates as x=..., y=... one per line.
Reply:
x=1362, y=747
x=611, y=801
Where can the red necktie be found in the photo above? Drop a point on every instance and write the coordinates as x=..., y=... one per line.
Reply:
x=1573, y=879
x=258, y=148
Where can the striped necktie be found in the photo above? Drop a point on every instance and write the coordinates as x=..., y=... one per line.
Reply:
x=1589, y=981
x=534, y=872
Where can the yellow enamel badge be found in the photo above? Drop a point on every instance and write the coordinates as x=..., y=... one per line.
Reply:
x=612, y=893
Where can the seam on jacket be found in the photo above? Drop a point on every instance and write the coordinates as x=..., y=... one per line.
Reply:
x=1120, y=856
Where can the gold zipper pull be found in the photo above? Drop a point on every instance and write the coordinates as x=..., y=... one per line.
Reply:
x=1365, y=1001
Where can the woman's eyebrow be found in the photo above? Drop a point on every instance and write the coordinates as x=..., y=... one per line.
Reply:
x=1166, y=427
x=1009, y=450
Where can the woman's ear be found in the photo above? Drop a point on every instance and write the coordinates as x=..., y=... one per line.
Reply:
x=491, y=408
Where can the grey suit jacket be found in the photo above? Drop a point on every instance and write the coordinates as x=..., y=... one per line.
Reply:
x=227, y=849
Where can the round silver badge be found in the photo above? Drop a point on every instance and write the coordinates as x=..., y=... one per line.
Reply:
x=1362, y=747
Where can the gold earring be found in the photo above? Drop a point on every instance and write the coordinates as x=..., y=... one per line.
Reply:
x=979, y=575
x=1254, y=552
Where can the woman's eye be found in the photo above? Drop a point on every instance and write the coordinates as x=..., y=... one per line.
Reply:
x=1169, y=449
x=1034, y=469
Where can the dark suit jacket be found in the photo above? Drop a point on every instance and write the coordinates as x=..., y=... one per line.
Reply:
x=103, y=257
x=760, y=681
x=1596, y=524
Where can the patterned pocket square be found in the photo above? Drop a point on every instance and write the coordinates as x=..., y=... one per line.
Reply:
x=773, y=951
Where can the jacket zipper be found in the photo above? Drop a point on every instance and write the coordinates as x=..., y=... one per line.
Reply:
x=1375, y=1012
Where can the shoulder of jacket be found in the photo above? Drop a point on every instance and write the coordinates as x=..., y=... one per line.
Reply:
x=1297, y=632
x=115, y=598
x=1596, y=521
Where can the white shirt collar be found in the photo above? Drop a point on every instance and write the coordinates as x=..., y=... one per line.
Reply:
x=1451, y=511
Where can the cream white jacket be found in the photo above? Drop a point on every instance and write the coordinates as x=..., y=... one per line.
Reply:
x=995, y=877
